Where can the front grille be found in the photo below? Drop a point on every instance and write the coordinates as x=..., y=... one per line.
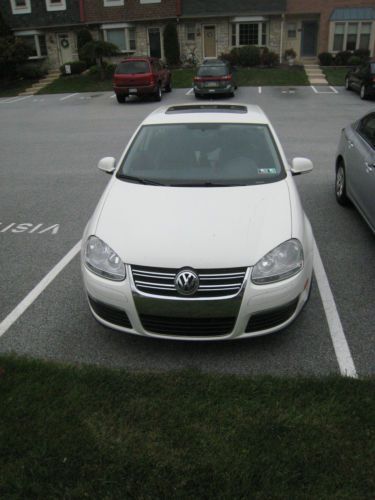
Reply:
x=198, y=327
x=212, y=282
x=110, y=314
x=271, y=317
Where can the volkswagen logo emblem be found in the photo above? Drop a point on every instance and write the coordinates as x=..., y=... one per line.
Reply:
x=186, y=282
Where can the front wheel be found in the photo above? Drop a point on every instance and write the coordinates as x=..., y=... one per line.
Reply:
x=157, y=95
x=363, y=92
x=340, y=185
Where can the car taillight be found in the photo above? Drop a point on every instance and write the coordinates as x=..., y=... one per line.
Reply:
x=198, y=79
x=373, y=79
x=227, y=77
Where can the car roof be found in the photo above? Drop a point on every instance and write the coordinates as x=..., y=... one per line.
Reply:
x=207, y=113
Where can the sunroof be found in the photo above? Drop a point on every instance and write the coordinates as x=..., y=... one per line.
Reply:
x=208, y=108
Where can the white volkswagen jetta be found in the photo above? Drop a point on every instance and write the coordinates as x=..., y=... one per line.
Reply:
x=200, y=233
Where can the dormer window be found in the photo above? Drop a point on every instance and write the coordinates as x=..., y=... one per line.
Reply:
x=21, y=6
x=52, y=5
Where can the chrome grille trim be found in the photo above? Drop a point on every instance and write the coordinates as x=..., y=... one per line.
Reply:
x=159, y=282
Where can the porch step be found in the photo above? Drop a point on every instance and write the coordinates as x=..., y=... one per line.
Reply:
x=35, y=87
x=315, y=74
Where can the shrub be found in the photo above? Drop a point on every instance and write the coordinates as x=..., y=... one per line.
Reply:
x=31, y=71
x=268, y=58
x=171, y=46
x=108, y=69
x=363, y=54
x=235, y=55
x=354, y=61
x=229, y=57
x=325, y=58
x=249, y=55
x=76, y=68
x=290, y=54
x=342, y=58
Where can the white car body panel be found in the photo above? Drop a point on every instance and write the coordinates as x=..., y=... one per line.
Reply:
x=201, y=228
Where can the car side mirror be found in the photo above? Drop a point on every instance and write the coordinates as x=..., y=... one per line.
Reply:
x=107, y=164
x=301, y=166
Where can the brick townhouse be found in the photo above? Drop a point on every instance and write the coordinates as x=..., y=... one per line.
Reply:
x=206, y=28
x=135, y=26
x=49, y=26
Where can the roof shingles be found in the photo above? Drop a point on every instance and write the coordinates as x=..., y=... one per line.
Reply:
x=191, y=8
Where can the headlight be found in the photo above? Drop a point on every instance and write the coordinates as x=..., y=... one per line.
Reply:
x=281, y=263
x=102, y=260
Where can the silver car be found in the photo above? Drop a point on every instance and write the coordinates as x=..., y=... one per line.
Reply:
x=355, y=167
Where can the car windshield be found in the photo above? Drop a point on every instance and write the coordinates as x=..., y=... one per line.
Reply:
x=203, y=154
x=212, y=70
x=131, y=67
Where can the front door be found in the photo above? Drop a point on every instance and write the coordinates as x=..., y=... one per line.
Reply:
x=65, y=47
x=154, y=42
x=309, y=38
x=209, y=41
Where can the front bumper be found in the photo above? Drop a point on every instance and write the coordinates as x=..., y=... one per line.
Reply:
x=255, y=310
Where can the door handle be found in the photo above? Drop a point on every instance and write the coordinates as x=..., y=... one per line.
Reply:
x=369, y=166
x=350, y=144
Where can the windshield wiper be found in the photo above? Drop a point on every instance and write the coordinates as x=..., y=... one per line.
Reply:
x=206, y=184
x=140, y=180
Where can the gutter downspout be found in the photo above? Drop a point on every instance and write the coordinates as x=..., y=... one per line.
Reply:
x=282, y=37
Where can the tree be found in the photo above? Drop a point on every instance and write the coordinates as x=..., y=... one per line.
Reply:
x=13, y=51
x=97, y=49
x=84, y=36
x=171, y=46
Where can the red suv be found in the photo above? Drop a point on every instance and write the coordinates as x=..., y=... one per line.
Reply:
x=141, y=76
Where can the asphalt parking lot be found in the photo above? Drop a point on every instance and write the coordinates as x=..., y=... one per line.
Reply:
x=49, y=186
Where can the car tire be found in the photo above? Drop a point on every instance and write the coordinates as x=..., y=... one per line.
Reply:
x=157, y=95
x=347, y=84
x=231, y=94
x=340, y=184
x=120, y=98
x=168, y=87
x=197, y=96
x=363, y=92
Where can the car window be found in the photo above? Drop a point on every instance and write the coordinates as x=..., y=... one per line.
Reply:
x=367, y=129
x=204, y=153
x=212, y=70
x=131, y=67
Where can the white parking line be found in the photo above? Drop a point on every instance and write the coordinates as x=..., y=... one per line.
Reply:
x=68, y=96
x=334, y=91
x=340, y=344
x=16, y=99
x=189, y=92
x=38, y=289
x=259, y=90
x=112, y=96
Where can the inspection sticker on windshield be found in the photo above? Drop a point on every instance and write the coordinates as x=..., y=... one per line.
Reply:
x=267, y=171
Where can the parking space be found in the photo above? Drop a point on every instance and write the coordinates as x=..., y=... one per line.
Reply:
x=49, y=185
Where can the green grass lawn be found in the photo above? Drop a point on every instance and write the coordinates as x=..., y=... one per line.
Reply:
x=182, y=78
x=10, y=89
x=335, y=76
x=94, y=433
x=77, y=83
x=290, y=76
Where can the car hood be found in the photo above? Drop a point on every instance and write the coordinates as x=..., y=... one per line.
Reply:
x=205, y=227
